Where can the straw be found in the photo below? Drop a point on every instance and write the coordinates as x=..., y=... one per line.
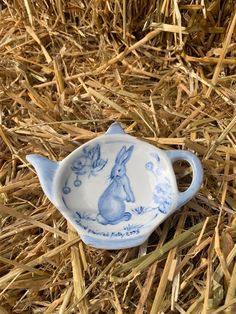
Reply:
x=166, y=71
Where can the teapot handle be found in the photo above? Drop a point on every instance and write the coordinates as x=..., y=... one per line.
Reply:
x=197, y=169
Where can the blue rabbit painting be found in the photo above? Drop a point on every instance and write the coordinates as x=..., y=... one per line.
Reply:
x=111, y=204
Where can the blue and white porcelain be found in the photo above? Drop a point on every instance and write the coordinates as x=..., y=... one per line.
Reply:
x=115, y=190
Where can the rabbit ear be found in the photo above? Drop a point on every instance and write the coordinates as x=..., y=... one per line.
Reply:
x=120, y=154
x=126, y=155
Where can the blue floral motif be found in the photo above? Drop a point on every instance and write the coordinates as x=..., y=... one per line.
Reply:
x=89, y=163
x=149, y=166
x=162, y=194
x=139, y=210
x=66, y=190
x=142, y=210
x=157, y=171
x=132, y=227
x=84, y=216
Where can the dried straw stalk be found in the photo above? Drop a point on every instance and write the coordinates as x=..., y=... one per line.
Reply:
x=164, y=69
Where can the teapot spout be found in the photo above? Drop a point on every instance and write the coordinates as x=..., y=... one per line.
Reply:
x=45, y=170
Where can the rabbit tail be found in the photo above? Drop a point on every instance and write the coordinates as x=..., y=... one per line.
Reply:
x=112, y=211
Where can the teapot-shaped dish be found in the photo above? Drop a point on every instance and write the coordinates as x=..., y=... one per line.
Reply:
x=115, y=190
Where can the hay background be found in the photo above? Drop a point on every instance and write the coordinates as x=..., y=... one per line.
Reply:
x=164, y=69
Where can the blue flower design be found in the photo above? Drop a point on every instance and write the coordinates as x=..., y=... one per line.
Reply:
x=79, y=165
x=77, y=182
x=149, y=166
x=84, y=216
x=159, y=189
x=139, y=210
x=66, y=190
x=131, y=227
x=162, y=197
x=162, y=193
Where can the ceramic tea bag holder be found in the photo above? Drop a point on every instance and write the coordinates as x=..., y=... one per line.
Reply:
x=115, y=190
